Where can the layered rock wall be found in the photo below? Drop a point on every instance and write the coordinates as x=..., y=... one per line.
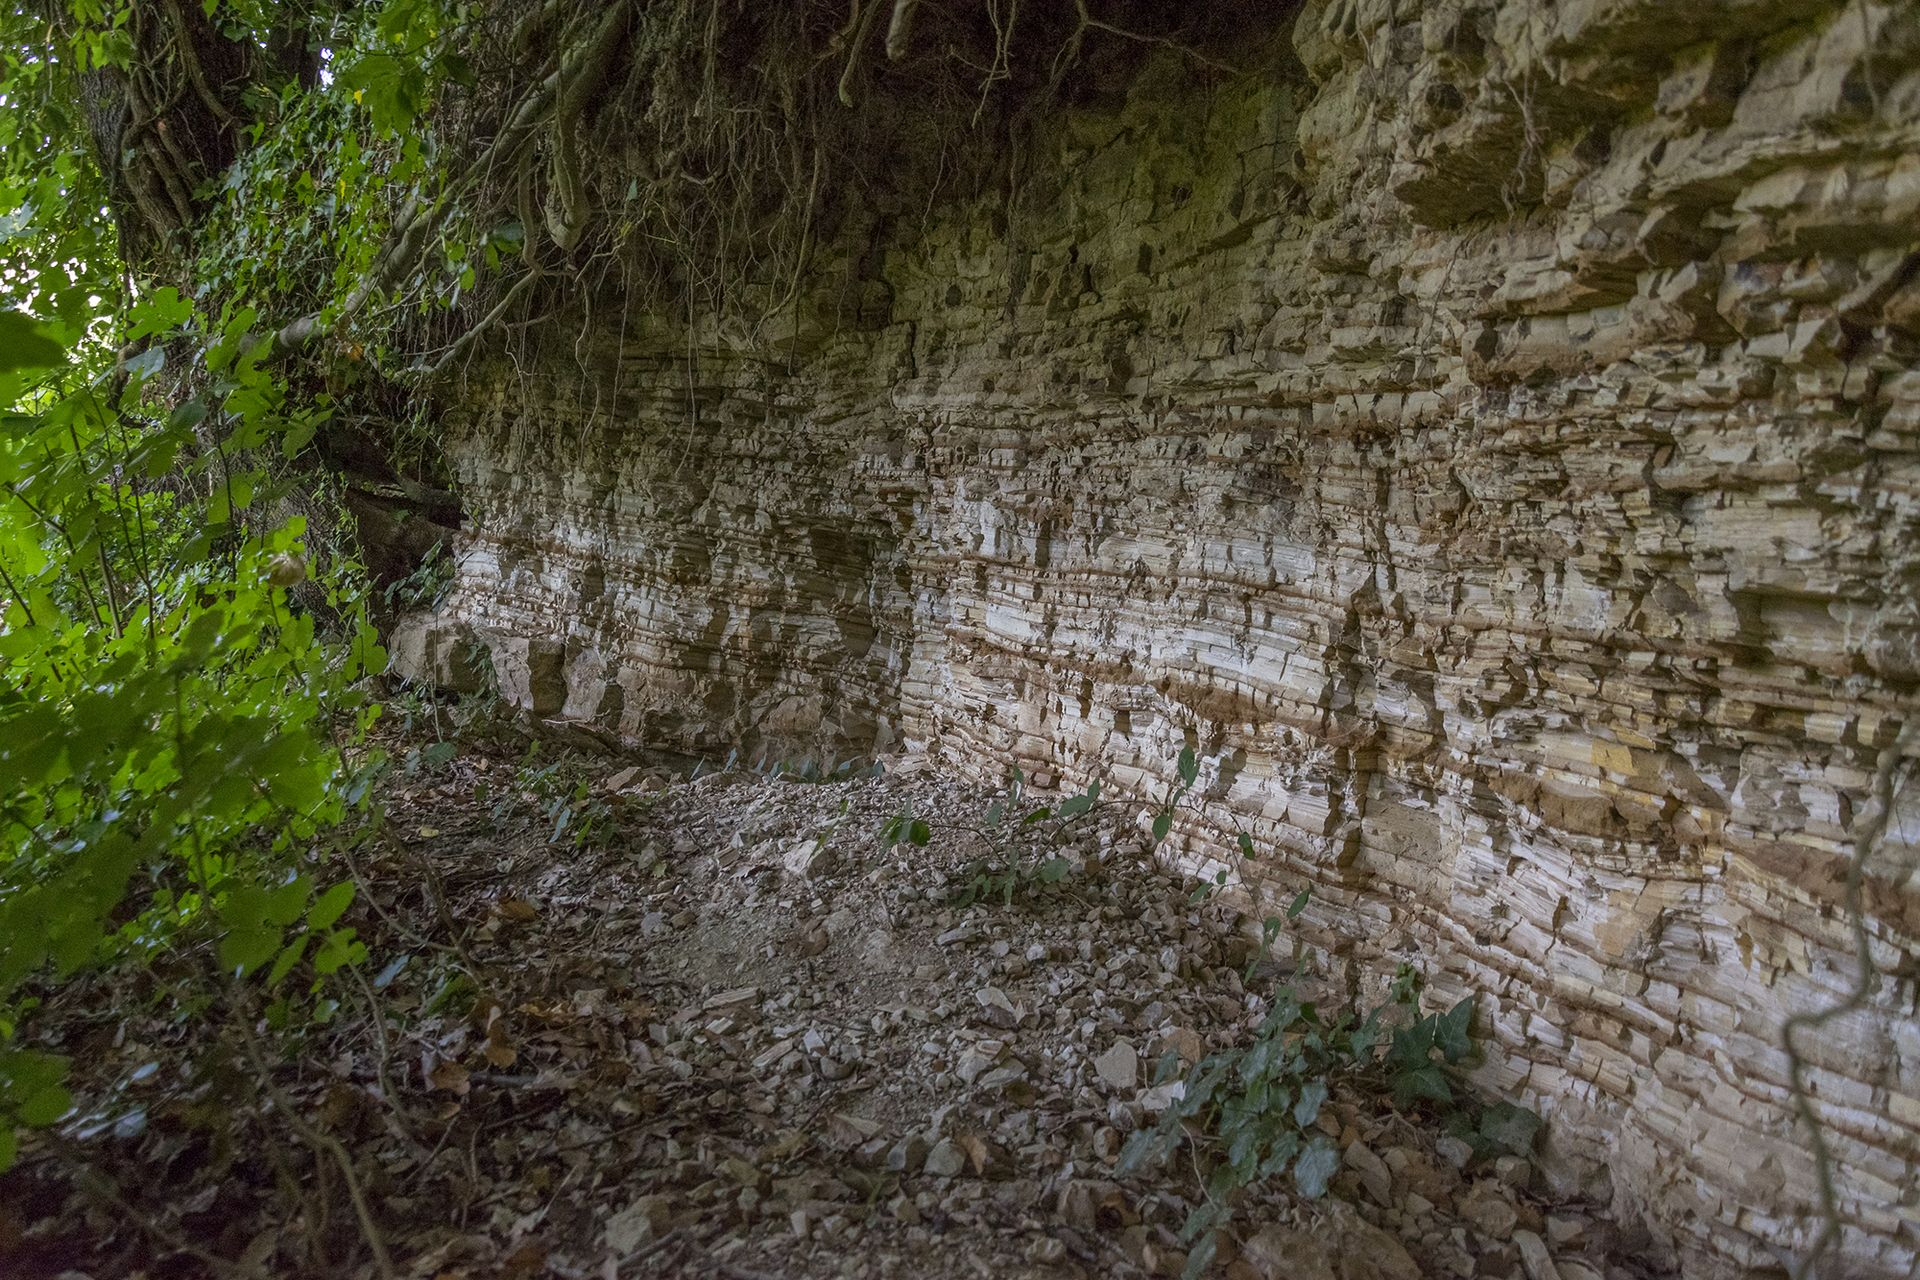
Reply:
x=1493, y=441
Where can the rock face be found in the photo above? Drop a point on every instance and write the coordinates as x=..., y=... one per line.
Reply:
x=1490, y=441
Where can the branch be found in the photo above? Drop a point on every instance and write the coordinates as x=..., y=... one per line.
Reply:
x=415, y=225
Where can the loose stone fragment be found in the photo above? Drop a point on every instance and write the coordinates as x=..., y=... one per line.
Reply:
x=1119, y=1066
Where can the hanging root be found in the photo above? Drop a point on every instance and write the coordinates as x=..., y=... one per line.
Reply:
x=899, y=27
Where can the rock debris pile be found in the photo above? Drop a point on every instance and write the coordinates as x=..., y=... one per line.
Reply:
x=767, y=1044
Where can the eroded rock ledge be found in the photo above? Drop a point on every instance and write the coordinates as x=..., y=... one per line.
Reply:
x=1490, y=442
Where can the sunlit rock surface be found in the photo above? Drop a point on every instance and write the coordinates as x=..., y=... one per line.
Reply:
x=1490, y=441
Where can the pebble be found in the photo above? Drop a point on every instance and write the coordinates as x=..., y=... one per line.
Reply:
x=1489, y=1211
x=1373, y=1173
x=1535, y=1257
x=945, y=1160
x=1119, y=1066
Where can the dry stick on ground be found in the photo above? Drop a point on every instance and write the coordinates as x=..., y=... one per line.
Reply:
x=1872, y=828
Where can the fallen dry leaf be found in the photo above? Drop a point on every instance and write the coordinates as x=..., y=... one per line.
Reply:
x=448, y=1075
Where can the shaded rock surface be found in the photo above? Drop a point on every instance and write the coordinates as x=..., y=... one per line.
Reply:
x=1487, y=435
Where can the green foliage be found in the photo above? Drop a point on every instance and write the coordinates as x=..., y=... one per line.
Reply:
x=425, y=587
x=904, y=828
x=1186, y=776
x=561, y=793
x=1008, y=875
x=171, y=725
x=1008, y=879
x=1252, y=1113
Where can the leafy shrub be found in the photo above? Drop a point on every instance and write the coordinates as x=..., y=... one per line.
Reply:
x=173, y=728
x=1252, y=1113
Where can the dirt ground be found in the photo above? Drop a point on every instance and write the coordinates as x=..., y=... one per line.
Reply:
x=737, y=1033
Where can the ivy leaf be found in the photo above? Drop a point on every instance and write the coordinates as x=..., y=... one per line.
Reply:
x=1136, y=1152
x=1284, y=1148
x=1202, y=1256
x=1451, y=1033
x=1313, y=1096
x=1428, y=1082
x=1315, y=1168
x=1509, y=1128
x=1169, y=1067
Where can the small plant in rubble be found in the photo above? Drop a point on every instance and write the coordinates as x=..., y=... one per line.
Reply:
x=1007, y=874
x=562, y=794
x=1254, y=1112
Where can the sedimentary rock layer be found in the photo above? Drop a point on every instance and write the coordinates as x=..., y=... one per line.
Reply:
x=1490, y=441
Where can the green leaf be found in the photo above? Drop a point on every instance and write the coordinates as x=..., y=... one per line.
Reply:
x=919, y=833
x=284, y=903
x=1284, y=1148
x=1162, y=824
x=1509, y=1128
x=288, y=957
x=338, y=949
x=1298, y=904
x=1202, y=1256
x=1313, y=1096
x=25, y=343
x=1137, y=1152
x=1189, y=766
x=45, y=1105
x=245, y=949
x=1246, y=845
x=1452, y=1033
x=330, y=906
x=1315, y=1168
x=160, y=311
x=1428, y=1082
